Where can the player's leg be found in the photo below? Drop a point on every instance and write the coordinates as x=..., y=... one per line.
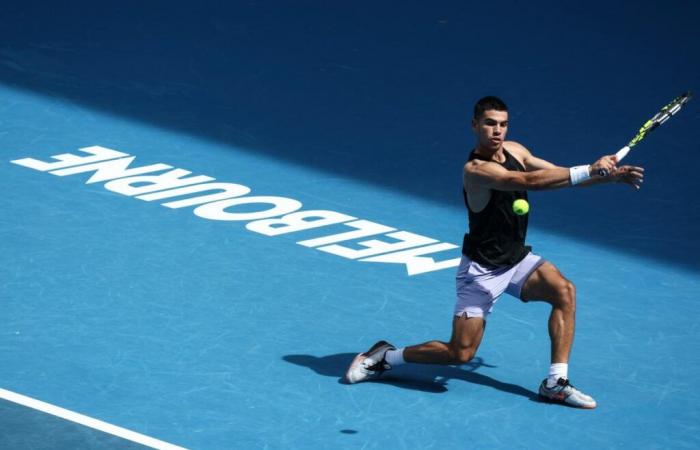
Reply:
x=466, y=337
x=547, y=284
x=467, y=333
x=477, y=290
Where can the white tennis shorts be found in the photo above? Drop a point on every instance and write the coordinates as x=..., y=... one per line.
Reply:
x=479, y=287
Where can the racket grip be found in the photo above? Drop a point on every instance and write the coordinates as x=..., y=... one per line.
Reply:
x=619, y=155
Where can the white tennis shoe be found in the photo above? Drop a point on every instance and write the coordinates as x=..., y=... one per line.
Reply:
x=564, y=392
x=370, y=364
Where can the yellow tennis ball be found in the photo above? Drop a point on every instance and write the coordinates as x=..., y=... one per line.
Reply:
x=521, y=207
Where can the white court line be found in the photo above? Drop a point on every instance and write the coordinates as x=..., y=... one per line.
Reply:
x=87, y=421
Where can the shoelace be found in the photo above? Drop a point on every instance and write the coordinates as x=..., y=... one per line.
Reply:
x=564, y=383
x=379, y=366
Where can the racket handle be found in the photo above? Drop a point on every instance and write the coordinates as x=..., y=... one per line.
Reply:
x=620, y=154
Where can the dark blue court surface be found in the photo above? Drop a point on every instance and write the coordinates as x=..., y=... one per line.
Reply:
x=22, y=428
x=210, y=334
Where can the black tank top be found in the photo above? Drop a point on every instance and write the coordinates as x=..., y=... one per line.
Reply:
x=496, y=235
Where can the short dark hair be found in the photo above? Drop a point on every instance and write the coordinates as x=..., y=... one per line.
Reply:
x=488, y=103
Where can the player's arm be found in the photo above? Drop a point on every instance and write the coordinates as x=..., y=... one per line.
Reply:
x=490, y=175
x=630, y=175
x=539, y=174
x=532, y=162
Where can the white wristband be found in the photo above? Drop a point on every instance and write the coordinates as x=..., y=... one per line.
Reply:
x=579, y=174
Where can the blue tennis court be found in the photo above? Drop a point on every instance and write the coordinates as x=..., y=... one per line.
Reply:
x=136, y=315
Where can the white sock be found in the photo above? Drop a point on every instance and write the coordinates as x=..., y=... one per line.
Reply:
x=394, y=357
x=556, y=371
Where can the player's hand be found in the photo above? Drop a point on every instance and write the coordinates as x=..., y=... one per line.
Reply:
x=609, y=163
x=632, y=175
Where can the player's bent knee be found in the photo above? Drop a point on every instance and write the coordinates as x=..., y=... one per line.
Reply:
x=566, y=295
x=463, y=355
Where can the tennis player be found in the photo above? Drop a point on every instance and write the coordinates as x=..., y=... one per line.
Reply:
x=495, y=258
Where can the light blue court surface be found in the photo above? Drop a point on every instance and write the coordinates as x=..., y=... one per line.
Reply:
x=206, y=334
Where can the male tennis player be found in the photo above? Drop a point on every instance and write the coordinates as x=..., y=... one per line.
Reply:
x=495, y=258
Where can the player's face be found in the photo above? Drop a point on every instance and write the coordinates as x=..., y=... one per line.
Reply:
x=491, y=129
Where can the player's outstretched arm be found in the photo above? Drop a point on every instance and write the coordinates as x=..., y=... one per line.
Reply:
x=490, y=175
x=631, y=175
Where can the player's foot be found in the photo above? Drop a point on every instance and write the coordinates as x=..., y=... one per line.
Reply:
x=564, y=392
x=370, y=364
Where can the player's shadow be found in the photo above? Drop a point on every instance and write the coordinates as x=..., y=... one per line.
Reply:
x=420, y=377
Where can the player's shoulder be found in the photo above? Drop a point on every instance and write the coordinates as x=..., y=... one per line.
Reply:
x=479, y=168
x=470, y=165
x=517, y=148
x=473, y=163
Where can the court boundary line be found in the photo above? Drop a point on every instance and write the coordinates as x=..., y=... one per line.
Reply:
x=84, y=420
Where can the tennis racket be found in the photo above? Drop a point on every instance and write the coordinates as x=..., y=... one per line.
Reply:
x=662, y=116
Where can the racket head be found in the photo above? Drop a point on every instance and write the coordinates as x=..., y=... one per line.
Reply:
x=672, y=108
x=662, y=116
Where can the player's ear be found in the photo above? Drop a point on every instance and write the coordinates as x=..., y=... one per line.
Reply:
x=474, y=124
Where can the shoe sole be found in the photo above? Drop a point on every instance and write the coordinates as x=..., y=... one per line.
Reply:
x=562, y=402
x=359, y=357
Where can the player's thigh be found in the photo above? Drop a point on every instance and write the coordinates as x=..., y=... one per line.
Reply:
x=548, y=284
x=467, y=332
